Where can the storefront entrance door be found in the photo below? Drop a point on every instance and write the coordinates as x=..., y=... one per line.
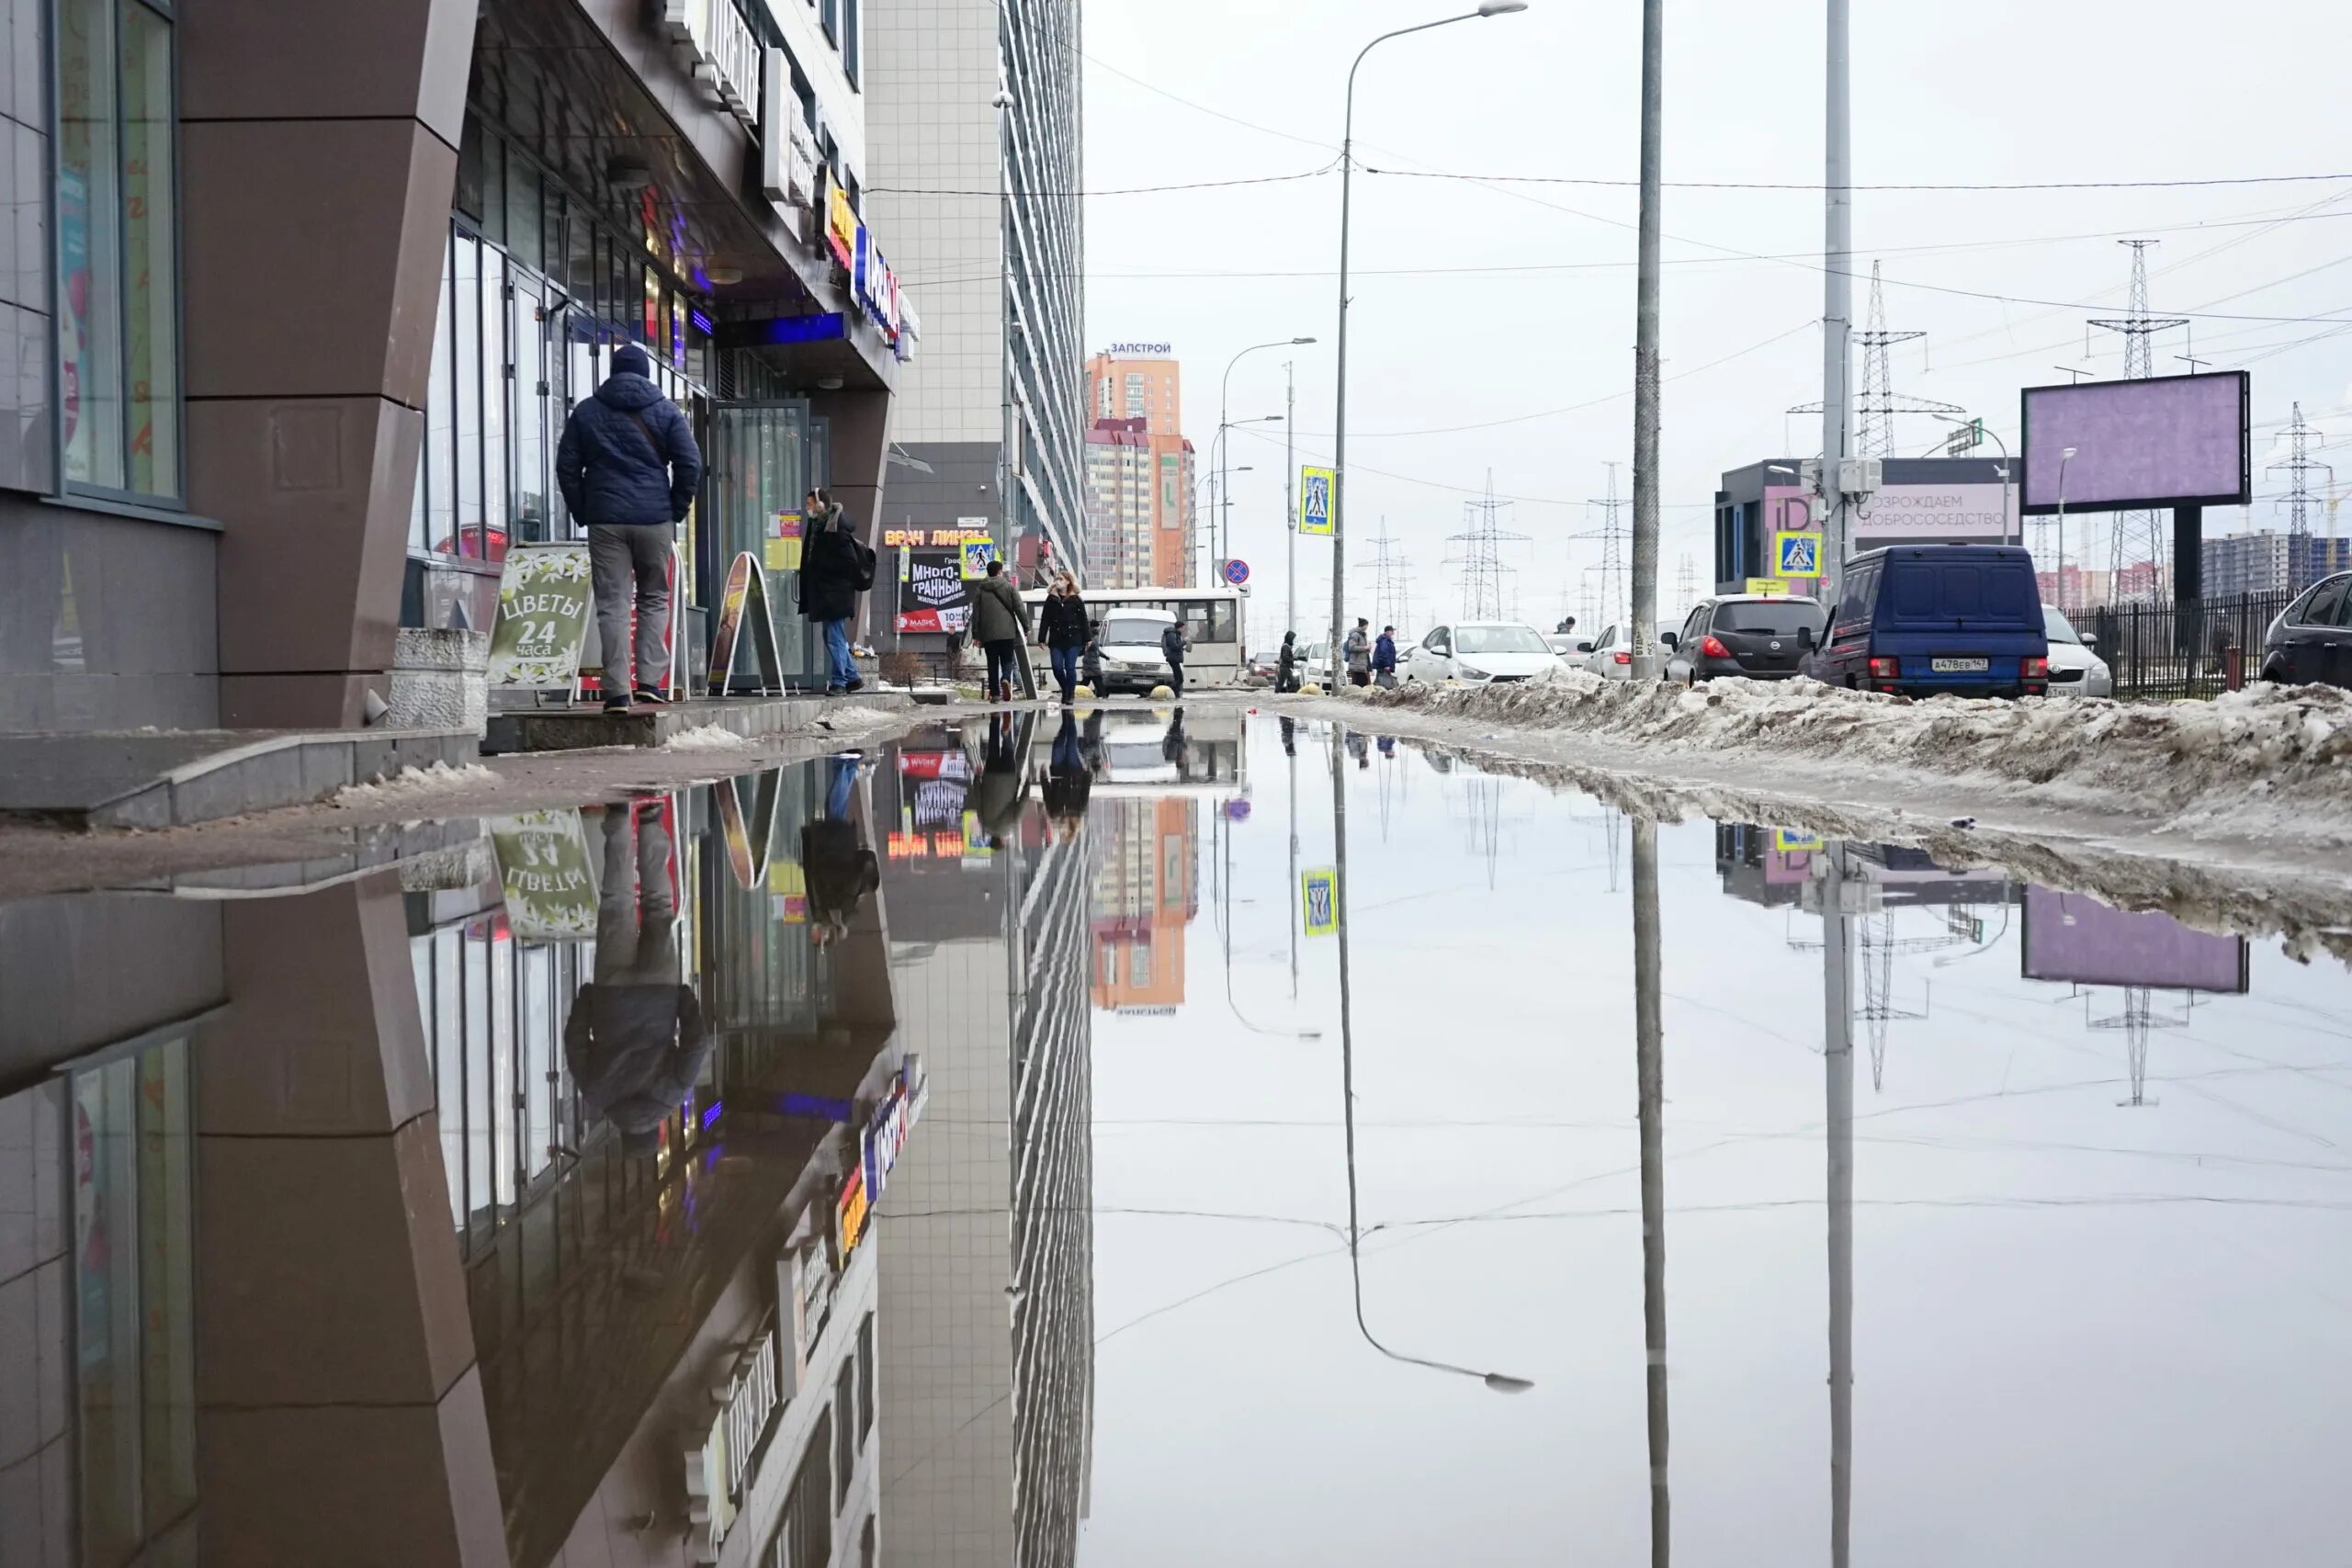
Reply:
x=763, y=458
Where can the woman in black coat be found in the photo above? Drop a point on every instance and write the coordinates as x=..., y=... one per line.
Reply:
x=1064, y=629
x=832, y=574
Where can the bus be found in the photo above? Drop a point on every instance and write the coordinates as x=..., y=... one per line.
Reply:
x=1211, y=616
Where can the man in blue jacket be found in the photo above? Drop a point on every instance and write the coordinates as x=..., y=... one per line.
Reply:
x=630, y=469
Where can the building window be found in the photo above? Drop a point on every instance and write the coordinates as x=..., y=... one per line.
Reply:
x=869, y=1391
x=118, y=250
x=852, y=47
x=845, y=1431
x=830, y=13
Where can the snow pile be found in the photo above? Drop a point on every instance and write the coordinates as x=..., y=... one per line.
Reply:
x=2289, y=749
x=850, y=717
x=706, y=738
x=415, y=783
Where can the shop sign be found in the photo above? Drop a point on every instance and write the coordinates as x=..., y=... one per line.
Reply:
x=544, y=610
x=876, y=285
x=810, y=1290
x=841, y=225
x=724, y=50
x=853, y=1207
x=1767, y=585
x=932, y=594
x=1143, y=349
x=909, y=328
x=787, y=146
x=545, y=874
x=887, y=1130
x=949, y=538
x=719, y=1465
x=746, y=596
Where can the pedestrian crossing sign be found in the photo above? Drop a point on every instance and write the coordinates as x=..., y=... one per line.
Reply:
x=1318, y=900
x=975, y=555
x=1788, y=842
x=1315, y=502
x=1796, y=554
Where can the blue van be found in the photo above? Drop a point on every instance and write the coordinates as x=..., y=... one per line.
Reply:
x=1923, y=619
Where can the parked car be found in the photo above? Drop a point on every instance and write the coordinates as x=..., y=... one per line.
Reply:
x=1570, y=649
x=2312, y=639
x=1611, y=655
x=1926, y=620
x=2074, y=669
x=1132, y=660
x=1759, y=636
x=1476, y=651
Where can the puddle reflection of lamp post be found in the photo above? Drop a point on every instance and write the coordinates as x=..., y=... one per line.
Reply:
x=1649, y=1072
x=1501, y=1383
x=1838, y=1068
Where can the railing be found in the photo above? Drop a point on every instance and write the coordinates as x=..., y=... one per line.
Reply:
x=2176, y=649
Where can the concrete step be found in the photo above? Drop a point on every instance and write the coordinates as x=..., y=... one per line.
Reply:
x=174, y=778
x=581, y=727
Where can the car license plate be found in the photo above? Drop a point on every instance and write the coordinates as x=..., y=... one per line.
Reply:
x=1960, y=666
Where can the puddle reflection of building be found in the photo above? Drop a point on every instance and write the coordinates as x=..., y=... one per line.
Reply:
x=354, y=1340
x=986, y=1238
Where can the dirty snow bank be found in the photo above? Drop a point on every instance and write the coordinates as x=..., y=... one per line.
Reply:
x=415, y=783
x=2248, y=760
x=706, y=738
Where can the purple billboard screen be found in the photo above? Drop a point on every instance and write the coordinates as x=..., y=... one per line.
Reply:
x=2169, y=441
x=2070, y=937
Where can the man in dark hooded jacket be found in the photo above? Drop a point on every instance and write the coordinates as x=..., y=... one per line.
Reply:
x=635, y=1040
x=629, y=468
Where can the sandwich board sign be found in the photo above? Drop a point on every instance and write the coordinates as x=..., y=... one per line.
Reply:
x=545, y=610
x=746, y=600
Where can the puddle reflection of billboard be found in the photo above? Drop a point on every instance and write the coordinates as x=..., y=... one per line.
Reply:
x=2069, y=936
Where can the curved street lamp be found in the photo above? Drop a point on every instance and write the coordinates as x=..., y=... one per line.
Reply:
x=1225, y=386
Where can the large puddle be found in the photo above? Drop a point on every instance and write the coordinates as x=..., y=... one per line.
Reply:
x=1152, y=1142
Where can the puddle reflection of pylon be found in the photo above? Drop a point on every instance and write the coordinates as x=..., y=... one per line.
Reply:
x=1879, y=945
x=2138, y=1020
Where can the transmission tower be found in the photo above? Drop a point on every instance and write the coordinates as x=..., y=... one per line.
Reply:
x=1612, y=559
x=1390, y=574
x=1686, y=583
x=1483, y=571
x=2298, y=502
x=2145, y=534
x=1878, y=403
x=2138, y=1020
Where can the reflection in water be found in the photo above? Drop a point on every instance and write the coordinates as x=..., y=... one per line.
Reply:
x=712, y=1176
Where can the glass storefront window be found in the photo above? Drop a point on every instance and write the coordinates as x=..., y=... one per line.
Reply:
x=89, y=261
x=532, y=502
x=150, y=252
x=466, y=363
x=491, y=543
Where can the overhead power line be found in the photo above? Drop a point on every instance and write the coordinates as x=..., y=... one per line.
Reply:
x=1912, y=185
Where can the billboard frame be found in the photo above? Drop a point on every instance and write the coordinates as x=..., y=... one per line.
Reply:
x=2242, y=496
x=2025, y=950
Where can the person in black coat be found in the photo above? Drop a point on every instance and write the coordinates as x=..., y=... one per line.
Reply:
x=839, y=868
x=1063, y=627
x=835, y=570
x=629, y=468
x=1286, y=665
x=1069, y=783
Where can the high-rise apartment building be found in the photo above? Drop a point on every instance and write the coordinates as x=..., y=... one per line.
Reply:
x=2270, y=562
x=1142, y=504
x=972, y=113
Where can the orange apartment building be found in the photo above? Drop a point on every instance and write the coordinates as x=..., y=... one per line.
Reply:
x=1146, y=893
x=1142, y=513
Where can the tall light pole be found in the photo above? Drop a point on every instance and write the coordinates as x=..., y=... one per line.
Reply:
x=1223, y=500
x=1290, y=503
x=1225, y=386
x=1499, y=1382
x=1645, y=349
x=1838, y=304
x=2063, y=458
x=1340, y=427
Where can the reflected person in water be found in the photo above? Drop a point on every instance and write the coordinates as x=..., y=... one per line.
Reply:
x=1069, y=780
x=997, y=797
x=834, y=856
x=635, y=1041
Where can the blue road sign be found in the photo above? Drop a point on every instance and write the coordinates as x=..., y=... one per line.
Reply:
x=1237, y=573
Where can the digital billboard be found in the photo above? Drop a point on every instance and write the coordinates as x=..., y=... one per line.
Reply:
x=2071, y=937
x=2165, y=441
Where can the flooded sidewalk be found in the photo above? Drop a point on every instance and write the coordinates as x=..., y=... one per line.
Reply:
x=989, y=1145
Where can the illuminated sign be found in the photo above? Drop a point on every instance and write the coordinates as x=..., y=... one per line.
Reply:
x=721, y=48
x=853, y=1209
x=787, y=147
x=841, y=225
x=892, y=538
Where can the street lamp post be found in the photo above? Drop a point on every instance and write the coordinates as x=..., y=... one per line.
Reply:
x=1501, y=1382
x=1221, y=501
x=1225, y=386
x=1340, y=425
x=2064, y=458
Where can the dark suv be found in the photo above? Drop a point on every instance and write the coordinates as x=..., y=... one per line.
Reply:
x=2312, y=639
x=1759, y=636
x=1925, y=620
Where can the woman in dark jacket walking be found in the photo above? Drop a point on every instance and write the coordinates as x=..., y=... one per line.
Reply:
x=1064, y=628
x=832, y=574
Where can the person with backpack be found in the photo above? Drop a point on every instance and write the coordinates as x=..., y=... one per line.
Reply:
x=1065, y=630
x=629, y=468
x=999, y=624
x=836, y=566
x=1172, y=646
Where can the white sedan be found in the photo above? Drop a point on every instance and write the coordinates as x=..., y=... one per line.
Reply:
x=1476, y=651
x=1610, y=655
x=2074, y=669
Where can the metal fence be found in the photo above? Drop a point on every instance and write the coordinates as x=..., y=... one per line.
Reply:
x=2178, y=649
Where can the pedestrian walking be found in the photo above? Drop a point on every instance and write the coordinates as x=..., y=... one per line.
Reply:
x=1173, y=644
x=1066, y=631
x=997, y=797
x=836, y=566
x=1069, y=782
x=836, y=862
x=1383, y=658
x=1358, y=648
x=1286, y=665
x=635, y=1040
x=1000, y=623
x=629, y=468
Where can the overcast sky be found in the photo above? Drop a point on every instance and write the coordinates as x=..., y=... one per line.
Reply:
x=1480, y=305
